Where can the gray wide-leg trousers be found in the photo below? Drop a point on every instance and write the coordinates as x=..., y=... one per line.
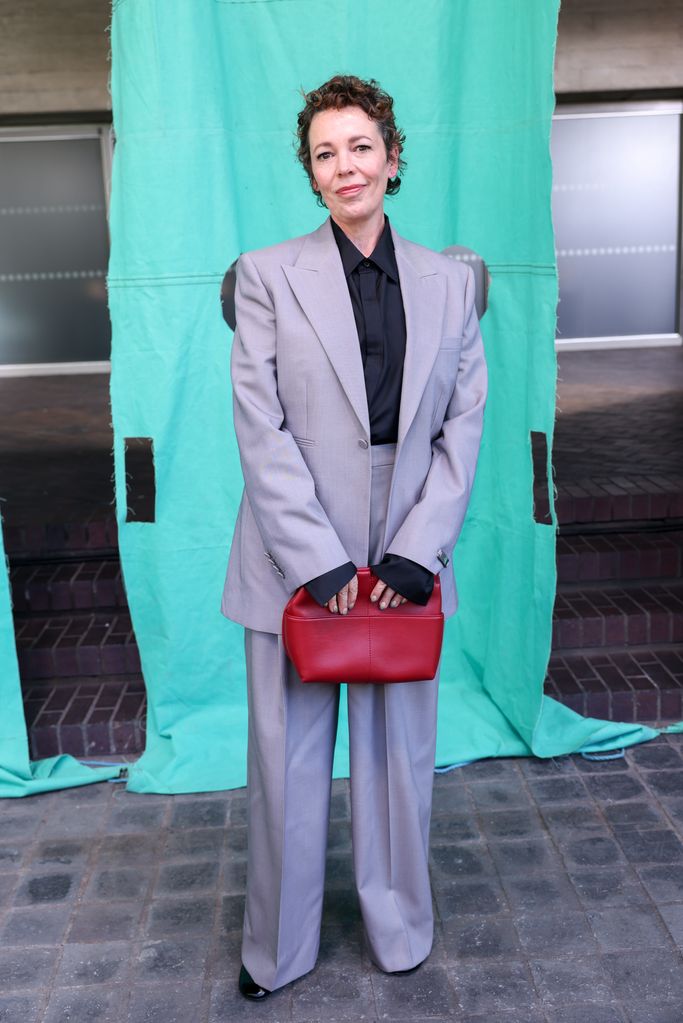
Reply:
x=292, y=730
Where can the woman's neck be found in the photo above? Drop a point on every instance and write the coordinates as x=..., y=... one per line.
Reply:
x=364, y=234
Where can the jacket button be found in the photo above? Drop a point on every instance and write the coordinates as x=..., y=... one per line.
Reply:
x=362, y=443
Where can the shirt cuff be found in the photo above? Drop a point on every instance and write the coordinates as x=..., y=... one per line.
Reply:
x=406, y=577
x=326, y=585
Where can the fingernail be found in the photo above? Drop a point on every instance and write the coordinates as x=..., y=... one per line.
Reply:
x=344, y=611
x=382, y=604
x=373, y=597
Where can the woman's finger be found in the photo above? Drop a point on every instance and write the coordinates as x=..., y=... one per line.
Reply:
x=353, y=591
x=343, y=599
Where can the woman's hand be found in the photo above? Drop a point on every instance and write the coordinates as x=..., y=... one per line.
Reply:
x=344, y=600
x=386, y=596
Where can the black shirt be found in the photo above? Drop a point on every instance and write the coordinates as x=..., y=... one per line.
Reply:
x=375, y=292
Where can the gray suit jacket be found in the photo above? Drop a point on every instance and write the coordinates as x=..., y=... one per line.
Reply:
x=301, y=419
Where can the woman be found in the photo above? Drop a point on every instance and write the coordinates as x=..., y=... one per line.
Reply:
x=359, y=384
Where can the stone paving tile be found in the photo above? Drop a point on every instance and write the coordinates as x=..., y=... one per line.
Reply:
x=558, y=892
x=76, y=1004
x=21, y=1008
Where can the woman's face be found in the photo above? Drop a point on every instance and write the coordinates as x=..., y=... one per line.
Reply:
x=350, y=164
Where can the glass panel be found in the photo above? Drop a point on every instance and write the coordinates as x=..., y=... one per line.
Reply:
x=53, y=252
x=615, y=210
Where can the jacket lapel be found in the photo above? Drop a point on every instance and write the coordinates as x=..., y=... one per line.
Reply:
x=317, y=279
x=424, y=298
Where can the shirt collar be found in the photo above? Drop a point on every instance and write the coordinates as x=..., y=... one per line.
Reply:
x=383, y=254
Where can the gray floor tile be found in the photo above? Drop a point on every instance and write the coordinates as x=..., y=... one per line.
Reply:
x=541, y=892
x=501, y=824
x=185, y=878
x=664, y=783
x=166, y=1003
x=120, y=883
x=635, y=815
x=673, y=918
x=608, y=788
x=573, y=818
x=63, y=852
x=490, y=767
x=546, y=767
x=418, y=994
x=557, y=790
x=130, y=850
x=175, y=917
x=493, y=986
x=525, y=856
x=646, y=975
x=608, y=886
x=169, y=960
x=78, y=1005
x=455, y=827
x=21, y=1008
x=36, y=925
x=462, y=860
x=333, y=992
x=555, y=936
x=503, y=794
x=653, y=756
x=119, y=921
x=132, y=818
x=653, y=1012
x=193, y=843
x=205, y=813
x=658, y=845
x=93, y=964
x=477, y=937
x=628, y=927
x=590, y=851
x=664, y=883
x=25, y=969
x=46, y=888
x=572, y=979
x=457, y=898
x=587, y=1012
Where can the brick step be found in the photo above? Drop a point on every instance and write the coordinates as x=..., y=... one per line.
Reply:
x=74, y=585
x=86, y=716
x=632, y=498
x=73, y=538
x=609, y=556
x=69, y=645
x=639, y=684
x=618, y=616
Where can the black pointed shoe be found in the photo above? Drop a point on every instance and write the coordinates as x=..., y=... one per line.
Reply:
x=248, y=986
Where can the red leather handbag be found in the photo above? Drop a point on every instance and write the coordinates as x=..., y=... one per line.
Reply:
x=399, y=644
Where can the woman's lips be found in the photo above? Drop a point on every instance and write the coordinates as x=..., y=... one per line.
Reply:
x=349, y=190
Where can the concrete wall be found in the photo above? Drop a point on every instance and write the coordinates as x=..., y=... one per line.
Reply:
x=54, y=53
x=54, y=56
x=605, y=45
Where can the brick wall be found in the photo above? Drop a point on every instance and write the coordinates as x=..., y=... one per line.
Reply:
x=54, y=53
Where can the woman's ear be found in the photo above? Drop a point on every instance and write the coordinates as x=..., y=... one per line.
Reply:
x=393, y=161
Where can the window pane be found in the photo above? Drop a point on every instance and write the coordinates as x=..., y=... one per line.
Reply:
x=53, y=252
x=615, y=210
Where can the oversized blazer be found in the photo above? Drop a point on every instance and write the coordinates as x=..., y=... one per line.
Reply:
x=301, y=419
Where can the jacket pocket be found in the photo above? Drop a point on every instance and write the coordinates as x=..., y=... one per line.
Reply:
x=304, y=441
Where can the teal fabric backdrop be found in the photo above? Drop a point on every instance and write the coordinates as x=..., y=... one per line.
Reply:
x=205, y=95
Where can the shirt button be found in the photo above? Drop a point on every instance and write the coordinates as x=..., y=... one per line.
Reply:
x=366, y=262
x=362, y=443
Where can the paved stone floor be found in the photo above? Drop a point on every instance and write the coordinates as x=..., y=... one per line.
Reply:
x=558, y=888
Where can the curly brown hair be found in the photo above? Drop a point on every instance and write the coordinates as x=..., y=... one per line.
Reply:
x=349, y=91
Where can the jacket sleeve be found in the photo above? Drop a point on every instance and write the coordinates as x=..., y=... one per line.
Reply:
x=298, y=538
x=325, y=586
x=407, y=578
x=431, y=528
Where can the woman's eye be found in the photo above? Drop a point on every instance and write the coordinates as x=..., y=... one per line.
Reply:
x=363, y=146
x=322, y=156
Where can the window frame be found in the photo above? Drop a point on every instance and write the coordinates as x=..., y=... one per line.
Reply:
x=632, y=108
